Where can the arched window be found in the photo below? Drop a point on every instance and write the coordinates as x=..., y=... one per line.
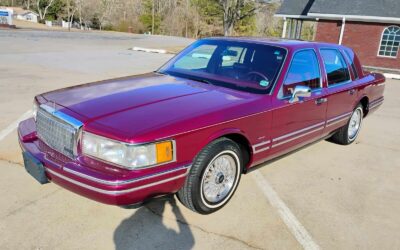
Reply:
x=390, y=42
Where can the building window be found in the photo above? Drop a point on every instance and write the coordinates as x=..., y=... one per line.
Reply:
x=390, y=42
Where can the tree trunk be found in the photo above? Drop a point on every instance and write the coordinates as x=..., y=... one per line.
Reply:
x=152, y=18
x=231, y=11
x=68, y=15
x=80, y=14
x=186, y=18
x=228, y=25
x=71, y=19
x=42, y=15
x=39, y=10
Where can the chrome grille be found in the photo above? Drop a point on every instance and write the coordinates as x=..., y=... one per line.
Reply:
x=58, y=130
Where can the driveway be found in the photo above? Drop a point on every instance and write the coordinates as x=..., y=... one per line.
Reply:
x=325, y=196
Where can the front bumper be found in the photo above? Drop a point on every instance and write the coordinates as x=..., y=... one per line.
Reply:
x=116, y=188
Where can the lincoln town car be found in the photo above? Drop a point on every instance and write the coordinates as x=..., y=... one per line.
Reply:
x=215, y=111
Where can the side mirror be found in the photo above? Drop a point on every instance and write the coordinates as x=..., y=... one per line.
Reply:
x=300, y=91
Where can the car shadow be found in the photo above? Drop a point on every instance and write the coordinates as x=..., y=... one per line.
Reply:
x=145, y=229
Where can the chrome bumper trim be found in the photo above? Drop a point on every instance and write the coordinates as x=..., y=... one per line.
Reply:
x=115, y=192
x=117, y=183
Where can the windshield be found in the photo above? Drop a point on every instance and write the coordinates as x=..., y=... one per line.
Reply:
x=239, y=65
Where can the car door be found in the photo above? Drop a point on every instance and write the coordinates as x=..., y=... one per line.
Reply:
x=295, y=124
x=341, y=92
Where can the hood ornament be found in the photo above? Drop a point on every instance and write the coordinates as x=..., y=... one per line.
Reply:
x=53, y=105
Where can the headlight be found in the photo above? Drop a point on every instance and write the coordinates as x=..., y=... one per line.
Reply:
x=127, y=155
x=35, y=109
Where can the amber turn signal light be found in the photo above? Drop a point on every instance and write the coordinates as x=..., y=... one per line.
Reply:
x=164, y=151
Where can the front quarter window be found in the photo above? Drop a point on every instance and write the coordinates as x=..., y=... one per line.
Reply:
x=303, y=71
x=244, y=66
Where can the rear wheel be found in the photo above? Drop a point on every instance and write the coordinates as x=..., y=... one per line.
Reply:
x=213, y=177
x=348, y=133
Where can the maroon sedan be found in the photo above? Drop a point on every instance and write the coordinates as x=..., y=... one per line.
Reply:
x=213, y=112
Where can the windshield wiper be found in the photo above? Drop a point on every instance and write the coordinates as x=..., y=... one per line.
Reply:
x=199, y=80
x=160, y=72
x=189, y=77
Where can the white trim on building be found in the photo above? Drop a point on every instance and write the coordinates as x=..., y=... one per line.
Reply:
x=375, y=19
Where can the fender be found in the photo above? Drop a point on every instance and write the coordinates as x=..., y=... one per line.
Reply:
x=225, y=132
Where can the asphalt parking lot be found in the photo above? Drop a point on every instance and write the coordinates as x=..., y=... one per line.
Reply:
x=325, y=196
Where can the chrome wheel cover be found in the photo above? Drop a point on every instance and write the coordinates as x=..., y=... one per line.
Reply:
x=354, y=124
x=220, y=177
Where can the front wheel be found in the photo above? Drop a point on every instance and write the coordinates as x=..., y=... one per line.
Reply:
x=348, y=133
x=213, y=177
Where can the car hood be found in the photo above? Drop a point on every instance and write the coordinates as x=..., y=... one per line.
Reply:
x=149, y=105
x=99, y=99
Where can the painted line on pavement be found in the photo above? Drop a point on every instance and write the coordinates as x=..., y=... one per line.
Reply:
x=160, y=51
x=295, y=227
x=392, y=76
x=14, y=124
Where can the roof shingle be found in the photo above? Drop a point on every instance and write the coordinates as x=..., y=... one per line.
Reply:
x=374, y=8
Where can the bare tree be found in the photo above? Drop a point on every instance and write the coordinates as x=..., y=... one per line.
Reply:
x=266, y=23
x=106, y=9
x=233, y=11
x=72, y=7
x=190, y=18
x=42, y=12
x=79, y=7
x=86, y=10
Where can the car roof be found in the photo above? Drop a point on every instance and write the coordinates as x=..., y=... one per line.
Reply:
x=281, y=42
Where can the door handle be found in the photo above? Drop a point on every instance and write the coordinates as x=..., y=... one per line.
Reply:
x=352, y=91
x=321, y=100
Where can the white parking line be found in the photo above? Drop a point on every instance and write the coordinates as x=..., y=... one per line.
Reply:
x=295, y=227
x=160, y=51
x=14, y=125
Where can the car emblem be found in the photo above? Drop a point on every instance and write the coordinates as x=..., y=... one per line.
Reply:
x=53, y=105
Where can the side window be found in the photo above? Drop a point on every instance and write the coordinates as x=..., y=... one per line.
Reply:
x=304, y=71
x=197, y=59
x=335, y=66
x=350, y=55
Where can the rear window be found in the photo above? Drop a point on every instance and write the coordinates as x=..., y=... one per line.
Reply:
x=335, y=66
x=350, y=55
